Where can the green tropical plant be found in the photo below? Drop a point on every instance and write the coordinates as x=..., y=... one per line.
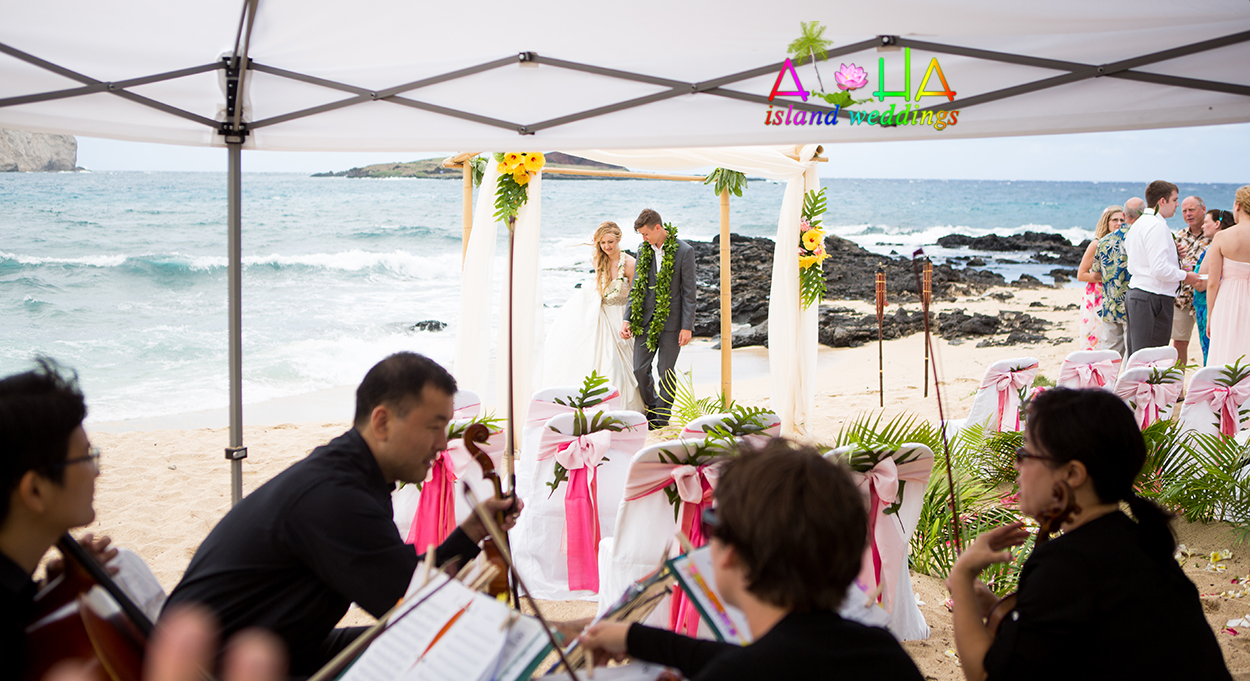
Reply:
x=726, y=179
x=594, y=391
x=686, y=406
x=990, y=454
x=811, y=43
x=585, y=425
x=697, y=454
x=479, y=169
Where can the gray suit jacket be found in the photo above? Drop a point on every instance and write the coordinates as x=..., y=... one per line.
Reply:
x=681, y=310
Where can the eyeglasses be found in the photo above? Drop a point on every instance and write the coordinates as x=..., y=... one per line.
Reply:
x=93, y=455
x=1022, y=454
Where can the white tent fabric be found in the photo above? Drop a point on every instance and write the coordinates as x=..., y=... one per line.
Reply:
x=407, y=68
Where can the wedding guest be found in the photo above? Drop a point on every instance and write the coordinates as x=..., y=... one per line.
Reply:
x=1133, y=209
x=1093, y=328
x=1214, y=221
x=1154, y=270
x=1074, y=618
x=787, y=539
x=1110, y=268
x=1191, y=243
x=1228, y=287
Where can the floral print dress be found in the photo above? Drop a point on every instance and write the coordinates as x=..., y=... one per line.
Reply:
x=1091, y=332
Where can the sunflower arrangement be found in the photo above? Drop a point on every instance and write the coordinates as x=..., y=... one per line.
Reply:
x=516, y=168
x=812, y=249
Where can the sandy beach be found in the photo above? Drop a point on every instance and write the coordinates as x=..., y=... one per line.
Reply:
x=165, y=482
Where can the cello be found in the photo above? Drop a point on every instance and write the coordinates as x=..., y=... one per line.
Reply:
x=478, y=433
x=82, y=614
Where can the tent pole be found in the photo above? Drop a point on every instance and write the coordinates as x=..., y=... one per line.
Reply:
x=236, y=452
x=726, y=310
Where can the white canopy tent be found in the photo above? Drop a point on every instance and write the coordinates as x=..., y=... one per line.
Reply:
x=398, y=75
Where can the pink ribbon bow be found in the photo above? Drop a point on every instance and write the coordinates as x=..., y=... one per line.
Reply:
x=436, y=510
x=580, y=455
x=1226, y=401
x=1151, y=398
x=1008, y=384
x=887, y=541
x=695, y=486
x=540, y=411
x=1095, y=374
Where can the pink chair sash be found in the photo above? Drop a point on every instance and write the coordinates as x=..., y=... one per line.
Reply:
x=580, y=455
x=695, y=487
x=540, y=411
x=1008, y=384
x=1151, y=398
x=1225, y=401
x=436, y=511
x=887, y=543
x=1095, y=374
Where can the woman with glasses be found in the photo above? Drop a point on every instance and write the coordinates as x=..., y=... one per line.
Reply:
x=787, y=539
x=1090, y=600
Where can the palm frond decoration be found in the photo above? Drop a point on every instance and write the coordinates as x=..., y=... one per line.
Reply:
x=811, y=43
x=594, y=391
x=686, y=405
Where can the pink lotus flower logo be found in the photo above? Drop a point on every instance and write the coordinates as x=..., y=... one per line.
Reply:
x=850, y=77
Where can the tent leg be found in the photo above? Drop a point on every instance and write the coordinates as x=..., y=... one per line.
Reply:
x=726, y=309
x=236, y=452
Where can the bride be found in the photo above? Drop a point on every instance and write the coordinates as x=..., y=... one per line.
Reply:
x=586, y=334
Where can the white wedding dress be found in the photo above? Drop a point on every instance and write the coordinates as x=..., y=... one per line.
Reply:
x=586, y=336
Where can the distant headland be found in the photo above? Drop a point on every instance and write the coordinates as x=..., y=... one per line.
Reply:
x=432, y=168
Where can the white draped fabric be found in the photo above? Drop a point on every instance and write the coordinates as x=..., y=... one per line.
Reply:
x=527, y=302
x=473, y=339
x=1212, y=405
x=997, y=403
x=1089, y=369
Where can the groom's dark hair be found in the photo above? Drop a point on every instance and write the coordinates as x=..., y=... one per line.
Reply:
x=647, y=218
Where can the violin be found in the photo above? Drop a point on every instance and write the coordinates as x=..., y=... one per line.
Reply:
x=1050, y=521
x=474, y=434
x=84, y=615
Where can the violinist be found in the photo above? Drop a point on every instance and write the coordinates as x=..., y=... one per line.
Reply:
x=787, y=539
x=1104, y=600
x=294, y=554
x=48, y=470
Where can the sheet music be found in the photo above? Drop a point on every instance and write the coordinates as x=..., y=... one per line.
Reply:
x=456, y=635
x=524, y=649
x=634, y=671
x=694, y=572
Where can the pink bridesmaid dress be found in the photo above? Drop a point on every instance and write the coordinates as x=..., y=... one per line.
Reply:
x=1230, y=319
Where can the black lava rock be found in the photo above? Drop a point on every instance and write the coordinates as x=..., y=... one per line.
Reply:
x=428, y=325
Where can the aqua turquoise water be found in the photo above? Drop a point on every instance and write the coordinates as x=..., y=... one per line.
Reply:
x=123, y=275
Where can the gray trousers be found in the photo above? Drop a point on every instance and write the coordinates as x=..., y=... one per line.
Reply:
x=1115, y=338
x=1149, y=319
x=658, y=406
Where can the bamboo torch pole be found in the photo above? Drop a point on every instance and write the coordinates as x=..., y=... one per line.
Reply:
x=926, y=298
x=467, y=167
x=726, y=308
x=880, y=332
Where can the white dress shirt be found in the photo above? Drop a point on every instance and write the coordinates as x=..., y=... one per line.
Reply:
x=1152, y=262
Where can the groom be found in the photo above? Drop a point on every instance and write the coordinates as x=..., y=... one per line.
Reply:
x=669, y=272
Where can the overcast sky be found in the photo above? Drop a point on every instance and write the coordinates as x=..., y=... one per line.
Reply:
x=1201, y=154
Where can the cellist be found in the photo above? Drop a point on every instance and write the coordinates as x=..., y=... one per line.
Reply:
x=294, y=554
x=48, y=470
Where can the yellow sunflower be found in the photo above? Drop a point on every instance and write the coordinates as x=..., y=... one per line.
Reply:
x=534, y=161
x=812, y=239
x=806, y=261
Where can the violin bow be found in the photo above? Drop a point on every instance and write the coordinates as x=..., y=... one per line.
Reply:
x=496, y=533
x=937, y=392
x=510, y=445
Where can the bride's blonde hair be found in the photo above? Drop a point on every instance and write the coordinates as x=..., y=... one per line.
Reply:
x=602, y=275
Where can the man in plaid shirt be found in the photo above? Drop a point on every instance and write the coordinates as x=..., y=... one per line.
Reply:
x=1190, y=245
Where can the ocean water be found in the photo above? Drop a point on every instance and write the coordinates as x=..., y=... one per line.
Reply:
x=123, y=275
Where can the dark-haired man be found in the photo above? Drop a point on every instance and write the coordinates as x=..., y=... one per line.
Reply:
x=660, y=252
x=293, y=555
x=787, y=539
x=47, y=473
x=1154, y=270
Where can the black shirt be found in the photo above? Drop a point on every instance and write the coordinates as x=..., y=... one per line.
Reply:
x=293, y=555
x=17, y=600
x=813, y=645
x=1093, y=605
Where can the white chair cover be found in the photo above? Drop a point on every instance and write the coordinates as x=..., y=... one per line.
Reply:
x=1159, y=358
x=1150, y=399
x=467, y=404
x=542, y=542
x=1090, y=369
x=998, y=400
x=459, y=466
x=542, y=407
x=1212, y=405
x=697, y=429
x=645, y=528
x=896, y=483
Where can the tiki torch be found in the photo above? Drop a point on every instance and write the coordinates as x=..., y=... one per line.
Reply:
x=880, y=332
x=926, y=298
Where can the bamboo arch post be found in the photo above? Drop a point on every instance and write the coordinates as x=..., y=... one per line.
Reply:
x=465, y=163
x=726, y=308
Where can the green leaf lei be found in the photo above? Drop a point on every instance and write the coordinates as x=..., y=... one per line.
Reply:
x=663, y=289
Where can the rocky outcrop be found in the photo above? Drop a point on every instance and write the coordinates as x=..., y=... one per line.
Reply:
x=1046, y=247
x=24, y=152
